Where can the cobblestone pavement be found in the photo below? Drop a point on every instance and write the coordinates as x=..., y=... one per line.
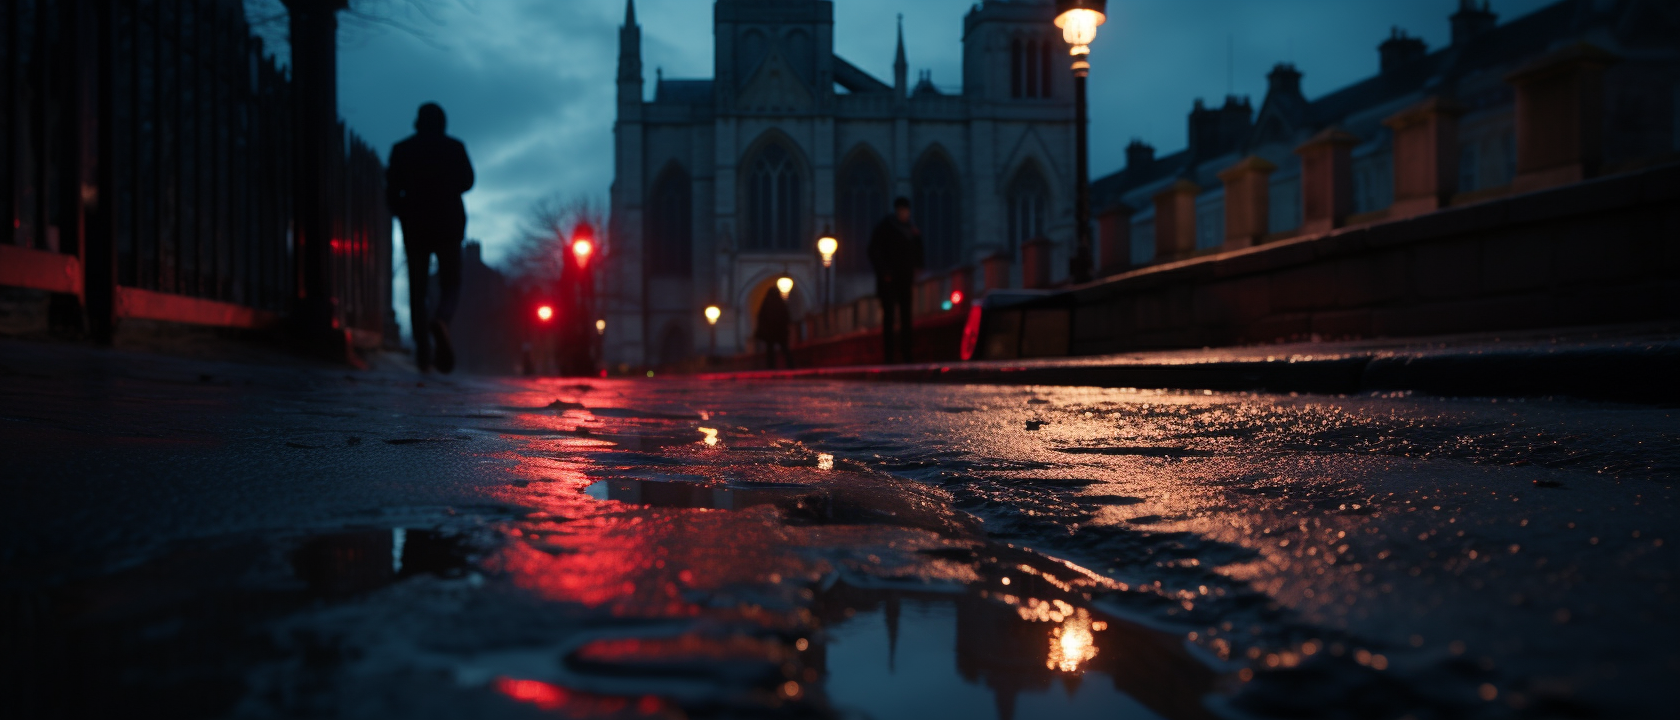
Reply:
x=204, y=538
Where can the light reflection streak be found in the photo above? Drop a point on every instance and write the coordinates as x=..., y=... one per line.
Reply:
x=711, y=435
x=825, y=461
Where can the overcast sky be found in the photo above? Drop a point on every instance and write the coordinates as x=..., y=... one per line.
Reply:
x=529, y=84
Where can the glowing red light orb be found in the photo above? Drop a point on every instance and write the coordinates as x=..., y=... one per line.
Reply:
x=582, y=248
x=956, y=297
x=545, y=313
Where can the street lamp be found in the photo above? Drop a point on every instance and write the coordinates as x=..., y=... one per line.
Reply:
x=545, y=313
x=784, y=285
x=712, y=315
x=600, y=327
x=826, y=246
x=1078, y=20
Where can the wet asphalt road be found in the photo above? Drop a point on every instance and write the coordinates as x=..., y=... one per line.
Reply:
x=218, y=539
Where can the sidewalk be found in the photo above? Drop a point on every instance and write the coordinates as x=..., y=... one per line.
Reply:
x=1631, y=364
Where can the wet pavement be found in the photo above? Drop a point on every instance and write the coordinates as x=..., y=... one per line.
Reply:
x=197, y=538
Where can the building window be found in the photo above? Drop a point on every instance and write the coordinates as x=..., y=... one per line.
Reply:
x=1016, y=69
x=1143, y=239
x=1487, y=161
x=671, y=227
x=862, y=203
x=1373, y=182
x=1032, y=70
x=936, y=210
x=1210, y=220
x=1029, y=200
x=1048, y=68
x=773, y=207
x=1284, y=213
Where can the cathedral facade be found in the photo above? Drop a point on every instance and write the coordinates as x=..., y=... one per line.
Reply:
x=724, y=185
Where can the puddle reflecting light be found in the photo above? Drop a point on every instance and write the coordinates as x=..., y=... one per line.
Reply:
x=711, y=435
x=825, y=461
x=399, y=538
x=540, y=694
x=1071, y=644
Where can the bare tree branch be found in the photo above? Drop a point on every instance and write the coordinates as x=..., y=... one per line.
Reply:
x=539, y=254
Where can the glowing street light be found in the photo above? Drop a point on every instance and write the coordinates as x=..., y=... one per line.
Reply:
x=784, y=285
x=545, y=313
x=712, y=315
x=1078, y=20
x=827, y=245
x=582, y=248
x=600, y=327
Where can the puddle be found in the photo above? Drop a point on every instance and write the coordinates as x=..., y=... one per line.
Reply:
x=995, y=651
x=899, y=664
x=358, y=561
x=680, y=494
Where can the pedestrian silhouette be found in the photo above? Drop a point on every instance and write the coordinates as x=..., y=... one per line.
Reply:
x=426, y=176
x=895, y=250
x=773, y=322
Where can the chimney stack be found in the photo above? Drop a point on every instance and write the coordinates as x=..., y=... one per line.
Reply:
x=1139, y=155
x=1471, y=21
x=1400, y=49
x=1284, y=79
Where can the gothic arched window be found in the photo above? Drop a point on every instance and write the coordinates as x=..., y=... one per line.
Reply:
x=671, y=226
x=1033, y=66
x=773, y=201
x=1029, y=202
x=1017, y=69
x=937, y=210
x=861, y=202
x=1048, y=68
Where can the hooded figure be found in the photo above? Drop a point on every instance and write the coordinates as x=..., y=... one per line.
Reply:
x=772, y=330
x=426, y=176
x=895, y=250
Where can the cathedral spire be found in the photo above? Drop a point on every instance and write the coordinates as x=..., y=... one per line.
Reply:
x=901, y=68
x=630, y=56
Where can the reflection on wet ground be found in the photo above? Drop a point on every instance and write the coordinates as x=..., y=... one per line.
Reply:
x=683, y=549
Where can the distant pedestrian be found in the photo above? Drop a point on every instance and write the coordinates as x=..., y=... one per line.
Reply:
x=895, y=250
x=773, y=328
x=428, y=172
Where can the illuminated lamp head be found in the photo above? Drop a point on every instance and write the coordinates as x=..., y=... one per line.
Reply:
x=1078, y=20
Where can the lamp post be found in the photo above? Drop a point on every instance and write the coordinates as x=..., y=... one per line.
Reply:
x=827, y=246
x=1078, y=20
x=712, y=315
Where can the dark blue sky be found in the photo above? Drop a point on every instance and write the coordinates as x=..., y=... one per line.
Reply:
x=528, y=84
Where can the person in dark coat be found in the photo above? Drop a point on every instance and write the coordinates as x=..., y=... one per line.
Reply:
x=895, y=250
x=773, y=322
x=424, y=181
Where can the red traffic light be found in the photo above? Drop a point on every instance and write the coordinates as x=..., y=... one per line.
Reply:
x=582, y=248
x=956, y=297
x=545, y=313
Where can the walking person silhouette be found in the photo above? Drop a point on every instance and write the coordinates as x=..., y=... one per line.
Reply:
x=427, y=173
x=895, y=250
x=773, y=328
